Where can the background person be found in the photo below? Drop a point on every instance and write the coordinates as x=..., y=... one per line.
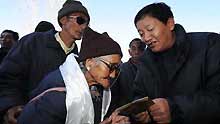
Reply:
x=7, y=39
x=44, y=26
x=122, y=90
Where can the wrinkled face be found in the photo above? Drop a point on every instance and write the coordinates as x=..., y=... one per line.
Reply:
x=74, y=25
x=103, y=68
x=135, y=50
x=7, y=39
x=157, y=35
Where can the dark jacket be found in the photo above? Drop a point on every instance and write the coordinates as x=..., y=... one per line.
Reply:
x=122, y=90
x=125, y=82
x=187, y=75
x=26, y=64
x=3, y=53
x=49, y=108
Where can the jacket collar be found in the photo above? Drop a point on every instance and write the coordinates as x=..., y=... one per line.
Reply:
x=51, y=39
x=183, y=48
x=182, y=45
x=53, y=43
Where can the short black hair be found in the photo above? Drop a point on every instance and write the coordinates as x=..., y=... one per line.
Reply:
x=14, y=34
x=160, y=11
x=142, y=45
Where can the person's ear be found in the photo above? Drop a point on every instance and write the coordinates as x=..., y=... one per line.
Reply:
x=171, y=23
x=89, y=63
x=129, y=51
x=63, y=20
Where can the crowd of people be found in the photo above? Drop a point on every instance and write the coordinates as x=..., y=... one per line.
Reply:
x=45, y=80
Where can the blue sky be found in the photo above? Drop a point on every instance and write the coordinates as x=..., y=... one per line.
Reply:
x=112, y=16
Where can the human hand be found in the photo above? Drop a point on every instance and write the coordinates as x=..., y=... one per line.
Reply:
x=11, y=116
x=143, y=117
x=116, y=119
x=160, y=111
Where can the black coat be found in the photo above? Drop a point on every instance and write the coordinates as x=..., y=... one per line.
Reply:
x=49, y=108
x=3, y=53
x=122, y=90
x=26, y=64
x=187, y=75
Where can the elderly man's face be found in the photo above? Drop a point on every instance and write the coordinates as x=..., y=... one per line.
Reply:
x=104, y=68
x=157, y=35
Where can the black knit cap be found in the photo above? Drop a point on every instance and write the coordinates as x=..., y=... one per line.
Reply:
x=95, y=44
x=44, y=26
x=71, y=6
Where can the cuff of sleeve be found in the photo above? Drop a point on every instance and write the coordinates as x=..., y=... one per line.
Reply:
x=176, y=114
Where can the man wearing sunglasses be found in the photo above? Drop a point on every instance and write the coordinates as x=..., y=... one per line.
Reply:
x=36, y=55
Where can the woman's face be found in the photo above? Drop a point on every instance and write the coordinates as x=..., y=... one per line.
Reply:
x=157, y=35
x=103, y=68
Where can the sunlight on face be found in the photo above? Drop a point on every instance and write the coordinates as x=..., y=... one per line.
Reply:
x=155, y=34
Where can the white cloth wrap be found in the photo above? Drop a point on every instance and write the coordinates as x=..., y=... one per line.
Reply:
x=79, y=104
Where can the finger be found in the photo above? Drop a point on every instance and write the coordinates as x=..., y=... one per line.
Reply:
x=11, y=117
x=126, y=119
x=139, y=115
x=122, y=119
x=119, y=118
x=156, y=113
x=106, y=121
x=20, y=109
x=114, y=115
x=143, y=117
x=161, y=119
x=123, y=122
x=154, y=107
x=18, y=112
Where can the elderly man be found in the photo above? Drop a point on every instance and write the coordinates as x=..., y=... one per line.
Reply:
x=76, y=94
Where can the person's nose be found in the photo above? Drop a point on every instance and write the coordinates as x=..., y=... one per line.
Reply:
x=147, y=37
x=136, y=51
x=113, y=74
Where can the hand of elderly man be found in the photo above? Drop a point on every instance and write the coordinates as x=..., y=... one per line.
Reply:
x=12, y=114
x=116, y=119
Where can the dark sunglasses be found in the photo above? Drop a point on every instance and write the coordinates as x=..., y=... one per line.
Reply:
x=79, y=20
x=112, y=67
